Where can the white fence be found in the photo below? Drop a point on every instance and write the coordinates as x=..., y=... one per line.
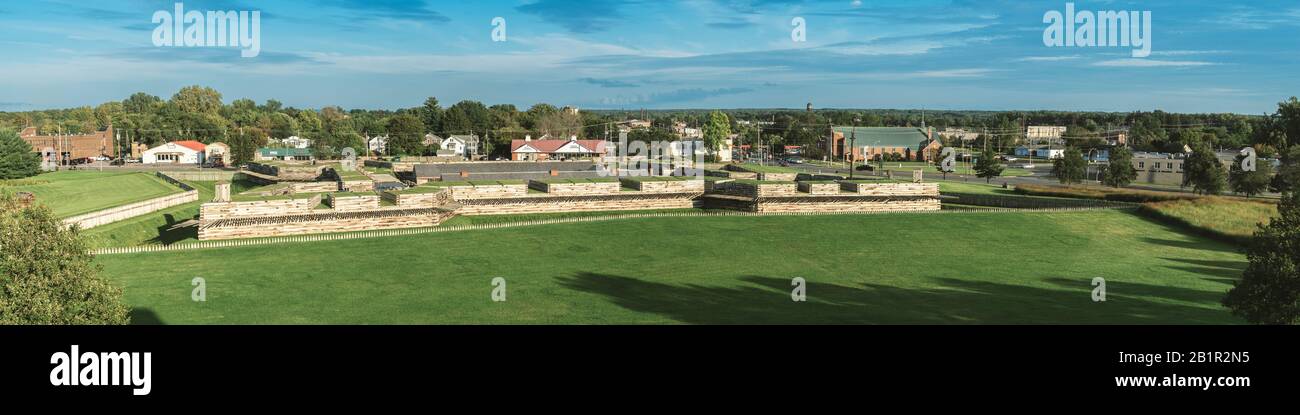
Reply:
x=603, y=218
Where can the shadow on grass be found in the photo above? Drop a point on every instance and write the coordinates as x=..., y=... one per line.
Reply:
x=1202, y=243
x=145, y=317
x=1225, y=272
x=765, y=300
x=170, y=233
x=1116, y=288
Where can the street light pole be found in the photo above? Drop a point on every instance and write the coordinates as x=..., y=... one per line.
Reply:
x=853, y=138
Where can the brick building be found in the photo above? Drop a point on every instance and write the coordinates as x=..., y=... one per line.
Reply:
x=74, y=146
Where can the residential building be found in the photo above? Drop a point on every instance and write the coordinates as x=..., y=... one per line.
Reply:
x=217, y=153
x=431, y=139
x=461, y=145
x=176, y=152
x=298, y=154
x=377, y=145
x=529, y=149
x=67, y=147
x=296, y=142
x=1049, y=133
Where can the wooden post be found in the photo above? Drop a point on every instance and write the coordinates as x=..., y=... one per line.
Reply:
x=222, y=193
x=917, y=176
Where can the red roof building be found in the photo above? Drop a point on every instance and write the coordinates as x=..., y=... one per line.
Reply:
x=555, y=149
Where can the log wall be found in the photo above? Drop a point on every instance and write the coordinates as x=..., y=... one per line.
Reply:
x=320, y=223
x=261, y=208
x=577, y=189
x=892, y=189
x=576, y=204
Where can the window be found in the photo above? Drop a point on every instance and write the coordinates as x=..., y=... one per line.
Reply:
x=1142, y=164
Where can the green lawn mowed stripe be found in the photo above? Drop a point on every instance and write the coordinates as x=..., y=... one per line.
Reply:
x=71, y=193
x=970, y=268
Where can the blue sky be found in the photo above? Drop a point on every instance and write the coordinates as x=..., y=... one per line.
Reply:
x=1208, y=56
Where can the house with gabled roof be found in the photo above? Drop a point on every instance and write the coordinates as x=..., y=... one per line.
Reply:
x=464, y=145
x=573, y=148
x=176, y=152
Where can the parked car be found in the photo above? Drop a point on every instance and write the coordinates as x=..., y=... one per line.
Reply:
x=794, y=160
x=117, y=162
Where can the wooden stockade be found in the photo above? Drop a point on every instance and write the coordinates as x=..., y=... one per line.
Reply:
x=331, y=222
x=354, y=203
x=846, y=204
x=552, y=204
x=383, y=233
x=577, y=187
x=260, y=208
x=463, y=192
x=666, y=186
x=124, y=212
x=891, y=189
x=819, y=188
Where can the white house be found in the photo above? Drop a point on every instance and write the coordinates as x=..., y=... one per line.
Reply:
x=296, y=142
x=461, y=145
x=176, y=152
x=377, y=144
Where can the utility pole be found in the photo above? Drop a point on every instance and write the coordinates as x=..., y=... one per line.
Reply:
x=853, y=138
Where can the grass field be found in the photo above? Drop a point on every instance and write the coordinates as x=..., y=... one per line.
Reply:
x=71, y=193
x=960, y=268
x=159, y=227
x=1225, y=218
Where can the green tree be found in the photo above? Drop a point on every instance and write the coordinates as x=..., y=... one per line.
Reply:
x=1288, y=174
x=1288, y=114
x=197, y=100
x=1250, y=183
x=17, y=158
x=405, y=135
x=1269, y=289
x=1120, y=171
x=47, y=275
x=431, y=114
x=716, y=131
x=1203, y=171
x=988, y=166
x=1071, y=168
x=243, y=146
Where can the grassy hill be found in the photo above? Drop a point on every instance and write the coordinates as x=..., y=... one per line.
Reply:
x=71, y=193
x=962, y=268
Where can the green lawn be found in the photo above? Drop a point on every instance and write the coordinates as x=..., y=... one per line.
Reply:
x=158, y=227
x=961, y=268
x=70, y=193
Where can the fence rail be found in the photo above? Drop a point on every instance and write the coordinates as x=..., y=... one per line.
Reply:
x=504, y=225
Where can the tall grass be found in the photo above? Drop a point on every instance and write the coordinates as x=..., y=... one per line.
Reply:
x=1229, y=220
x=1103, y=193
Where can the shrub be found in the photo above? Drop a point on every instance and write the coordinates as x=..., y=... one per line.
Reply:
x=47, y=275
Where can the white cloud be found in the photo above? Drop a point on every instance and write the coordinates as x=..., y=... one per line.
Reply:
x=1149, y=63
x=1049, y=58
